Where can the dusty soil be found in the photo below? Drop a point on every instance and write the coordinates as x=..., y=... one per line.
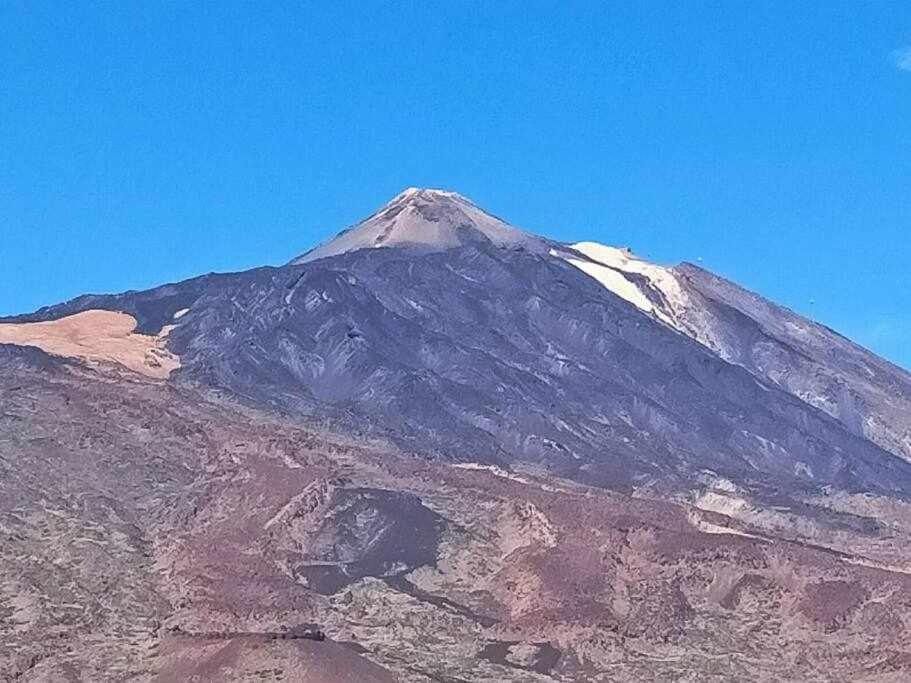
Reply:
x=98, y=336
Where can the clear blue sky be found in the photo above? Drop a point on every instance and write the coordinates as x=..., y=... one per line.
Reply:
x=144, y=144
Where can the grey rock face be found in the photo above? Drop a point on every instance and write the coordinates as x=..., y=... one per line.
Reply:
x=469, y=339
x=483, y=353
x=868, y=395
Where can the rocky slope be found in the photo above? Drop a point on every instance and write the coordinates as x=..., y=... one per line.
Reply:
x=462, y=452
x=868, y=395
x=155, y=533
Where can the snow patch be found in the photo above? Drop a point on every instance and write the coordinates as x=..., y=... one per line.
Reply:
x=493, y=469
x=611, y=267
x=615, y=281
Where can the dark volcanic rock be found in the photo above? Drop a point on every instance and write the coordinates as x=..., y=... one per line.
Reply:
x=490, y=354
x=868, y=395
x=369, y=532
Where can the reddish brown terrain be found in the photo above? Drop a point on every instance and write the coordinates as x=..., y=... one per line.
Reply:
x=157, y=533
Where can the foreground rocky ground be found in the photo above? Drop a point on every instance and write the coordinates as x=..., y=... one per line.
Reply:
x=151, y=531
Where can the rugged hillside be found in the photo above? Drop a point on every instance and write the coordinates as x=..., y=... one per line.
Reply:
x=152, y=532
x=868, y=395
x=470, y=338
x=463, y=452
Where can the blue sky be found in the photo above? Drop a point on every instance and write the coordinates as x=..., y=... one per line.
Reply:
x=144, y=144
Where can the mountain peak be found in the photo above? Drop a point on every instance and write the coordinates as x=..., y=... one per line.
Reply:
x=425, y=196
x=431, y=219
x=428, y=193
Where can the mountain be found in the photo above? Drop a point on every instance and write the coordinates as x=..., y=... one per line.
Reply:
x=462, y=451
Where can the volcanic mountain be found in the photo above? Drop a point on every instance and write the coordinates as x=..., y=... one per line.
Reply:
x=461, y=451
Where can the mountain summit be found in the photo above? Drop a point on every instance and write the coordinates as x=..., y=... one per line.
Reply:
x=434, y=220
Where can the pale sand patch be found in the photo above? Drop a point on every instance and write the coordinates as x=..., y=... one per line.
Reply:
x=100, y=336
x=708, y=527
